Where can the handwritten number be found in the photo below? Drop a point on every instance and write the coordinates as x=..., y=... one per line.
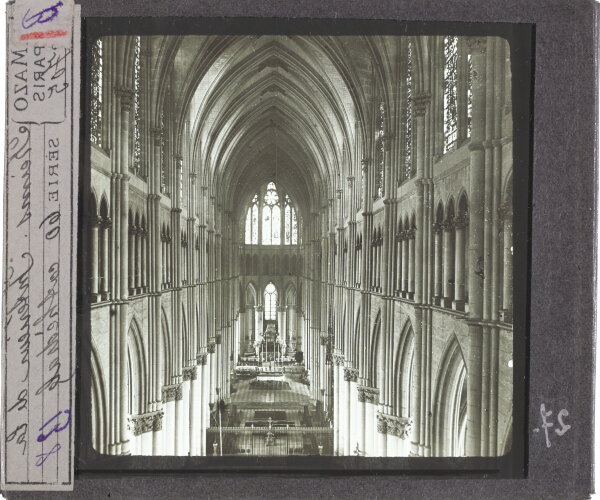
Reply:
x=42, y=437
x=19, y=435
x=41, y=17
x=52, y=219
x=21, y=401
x=546, y=425
x=564, y=428
x=43, y=456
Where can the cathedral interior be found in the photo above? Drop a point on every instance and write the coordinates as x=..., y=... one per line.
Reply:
x=298, y=245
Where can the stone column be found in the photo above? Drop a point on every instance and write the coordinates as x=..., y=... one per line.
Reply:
x=94, y=223
x=411, y=263
x=131, y=258
x=439, y=290
x=460, y=223
x=506, y=215
x=391, y=436
x=106, y=223
x=477, y=46
x=405, y=261
x=203, y=414
x=169, y=395
x=144, y=259
x=190, y=416
x=448, y=284
x=157, y=434
x=382, y=437
x=355, y=414
x=371, y=397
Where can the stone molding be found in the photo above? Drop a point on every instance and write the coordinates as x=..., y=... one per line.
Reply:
x=172, y=393
x=148, y=422
x=190, y=373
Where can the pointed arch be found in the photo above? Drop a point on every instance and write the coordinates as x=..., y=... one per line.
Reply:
x=98, y=402
x=450, y=403
x=403, y=371
x=375, y=347
x=251, y=294
x=137, y=369
x=290, y=294
x=165, y=348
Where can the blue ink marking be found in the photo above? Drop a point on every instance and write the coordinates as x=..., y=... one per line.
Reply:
x=41, y=17
x=42, y=437
x=43, y=456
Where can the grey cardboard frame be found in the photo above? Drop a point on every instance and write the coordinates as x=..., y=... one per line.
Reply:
x=563, y=235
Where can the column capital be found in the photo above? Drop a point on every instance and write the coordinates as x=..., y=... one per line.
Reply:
x=190, y=373
x=420, y=102
x=461, y=221
x=127, y=97
x=365, y=164
x=148, y=422
x=201, y=358
x=350, y=374
x=172, y=393
x=338, y=359
x=382, y=424
x=211, y=348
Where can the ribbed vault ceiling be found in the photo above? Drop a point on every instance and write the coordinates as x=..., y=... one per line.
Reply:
x=268, y=108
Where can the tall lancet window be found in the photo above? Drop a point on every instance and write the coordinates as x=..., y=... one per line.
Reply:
x=450, y=91
x=270, y=302
x=271, y=217
x=381, y=155
x=291, y=223
x=408, y=139
x=96, y=114
x=469, y=96
x=163, y=177
x=136, y=108
x=252, y=222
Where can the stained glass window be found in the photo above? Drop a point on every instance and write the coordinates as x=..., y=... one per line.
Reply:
x=270, y=302
x=291, y=223
x=136, y=108
x=271, y=217
x=252, y=223
x=469, y=96
x=96, y=114
x=380, y=163
x=163, y=180
x=450, y=91
x=294, y=227
x=408, y=143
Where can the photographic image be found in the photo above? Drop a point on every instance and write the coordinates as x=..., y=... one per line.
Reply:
x=297, y=245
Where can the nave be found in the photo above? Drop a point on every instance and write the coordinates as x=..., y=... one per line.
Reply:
x=331, y=213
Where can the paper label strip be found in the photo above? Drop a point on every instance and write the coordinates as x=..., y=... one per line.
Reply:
x=41, y=173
